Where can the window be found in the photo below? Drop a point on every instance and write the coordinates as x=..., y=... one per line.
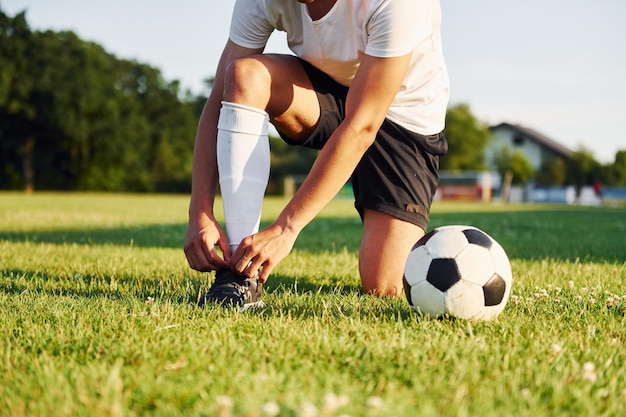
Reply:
x=518, y=140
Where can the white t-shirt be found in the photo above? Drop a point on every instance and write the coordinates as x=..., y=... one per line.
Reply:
x=380, y=28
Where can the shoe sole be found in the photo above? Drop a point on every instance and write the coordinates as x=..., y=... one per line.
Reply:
x=256, y=304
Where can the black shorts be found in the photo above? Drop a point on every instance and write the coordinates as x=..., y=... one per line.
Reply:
x=398, y=174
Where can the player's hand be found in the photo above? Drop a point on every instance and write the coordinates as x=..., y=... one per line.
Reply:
x=262, y=251
x=202, y=237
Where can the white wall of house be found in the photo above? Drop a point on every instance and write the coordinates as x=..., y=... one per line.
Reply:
x=504, y=137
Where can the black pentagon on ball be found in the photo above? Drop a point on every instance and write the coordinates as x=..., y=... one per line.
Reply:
x=443, y=273
x=407, y=291
x=478, y=238
x=494, y=290
x=425, y=239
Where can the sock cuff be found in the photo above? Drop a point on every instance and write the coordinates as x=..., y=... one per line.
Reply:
x=243, y=119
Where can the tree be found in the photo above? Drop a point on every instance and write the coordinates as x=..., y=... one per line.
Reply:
x=73, y=116
x=615, y=173
x=515, y=164
x=467, y=139
x=582, y=167
x=16, y=109
x=288, y=160
x=552, y=172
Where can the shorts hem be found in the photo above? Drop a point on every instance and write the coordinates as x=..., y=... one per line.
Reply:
x=408, y=215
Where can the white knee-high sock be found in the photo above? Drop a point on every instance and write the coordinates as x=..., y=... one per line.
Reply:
x=243, y=161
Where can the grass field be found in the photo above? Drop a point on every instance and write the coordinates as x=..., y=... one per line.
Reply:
x=97, y=317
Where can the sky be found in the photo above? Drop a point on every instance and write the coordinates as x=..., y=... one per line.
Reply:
x=556, y=66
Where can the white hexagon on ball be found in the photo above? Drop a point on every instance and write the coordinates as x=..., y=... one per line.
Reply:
x=427, y=300
x=418, y=263
x=464, y=300
x=446, y=243
x=475, y=264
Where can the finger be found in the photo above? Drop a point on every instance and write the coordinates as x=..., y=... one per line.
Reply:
x=203, y=259
x=195, y=263
x=209, y=257
x=216, y=260
x=204, y=265
x=238, y=260
x=264, y=273
x=192, y=257
x=241, y=266
x=191, y=260
x=224, y=246
x=254, y=266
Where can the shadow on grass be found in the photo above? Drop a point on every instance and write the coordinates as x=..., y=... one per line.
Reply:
x=575, y=234
x=586, y=235
x=320, y=235
x=183, y=291
x=21, y=281
x=284, y=298
x=285, y=284
x=304, y=299
x=154, y=235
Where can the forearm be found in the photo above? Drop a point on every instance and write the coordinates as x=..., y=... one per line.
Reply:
x=331, y=170
x=370, y=95
x=366, y=108
x=204, y=171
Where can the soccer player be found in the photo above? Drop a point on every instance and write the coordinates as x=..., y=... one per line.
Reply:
x=367, y=86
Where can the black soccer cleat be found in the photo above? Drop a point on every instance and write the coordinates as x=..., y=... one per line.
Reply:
x=233, y=290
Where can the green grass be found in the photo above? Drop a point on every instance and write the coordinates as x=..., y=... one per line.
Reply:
x=97, y=317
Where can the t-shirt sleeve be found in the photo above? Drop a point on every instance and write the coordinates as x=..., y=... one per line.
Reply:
x=396, y=26
x=250, y=26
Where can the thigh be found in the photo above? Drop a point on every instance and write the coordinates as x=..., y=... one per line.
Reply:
x=398, y=175
x=280, y=85
x=331, y=98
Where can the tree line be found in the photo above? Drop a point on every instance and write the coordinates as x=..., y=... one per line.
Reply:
x=76, y=117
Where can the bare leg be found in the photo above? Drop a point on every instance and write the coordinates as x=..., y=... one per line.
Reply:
x=386, y=244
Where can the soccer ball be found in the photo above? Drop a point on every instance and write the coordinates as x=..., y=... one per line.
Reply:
x=459, y=271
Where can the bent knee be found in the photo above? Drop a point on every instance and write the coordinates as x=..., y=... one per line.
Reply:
x=247, y=81
x=382, y=285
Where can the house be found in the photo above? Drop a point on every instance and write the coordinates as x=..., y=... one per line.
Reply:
x=537, y=147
